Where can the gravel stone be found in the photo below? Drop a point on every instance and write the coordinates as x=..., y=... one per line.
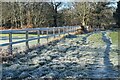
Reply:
x=24, y=75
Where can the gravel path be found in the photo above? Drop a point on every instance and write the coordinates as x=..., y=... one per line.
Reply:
x=71, y=57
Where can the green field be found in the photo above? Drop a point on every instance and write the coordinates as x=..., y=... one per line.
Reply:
x=114, y=37
x=17, y=35
x=114, y=47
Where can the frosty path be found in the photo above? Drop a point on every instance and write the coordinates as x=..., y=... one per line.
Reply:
x=104, y=64
x=75, y=56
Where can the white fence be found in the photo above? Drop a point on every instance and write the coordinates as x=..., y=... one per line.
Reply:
x=50, y=32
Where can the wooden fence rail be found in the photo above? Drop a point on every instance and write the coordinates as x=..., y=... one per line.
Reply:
x=55, y=31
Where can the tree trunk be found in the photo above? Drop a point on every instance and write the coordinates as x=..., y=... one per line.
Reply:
x=4, y=21
x=15, y=20
x=83, y=19
x=35, y=22
x=28, y=20
x=55, y=17
x=21, y=23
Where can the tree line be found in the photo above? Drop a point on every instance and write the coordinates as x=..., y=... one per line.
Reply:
x=54, y=14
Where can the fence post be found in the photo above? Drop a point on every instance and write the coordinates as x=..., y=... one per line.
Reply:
x=67, y=29
x=47, y=33
x=74, y=29
x=38, y=33
x=27, y=45
x=59, y=31
x=42, y=32
x=54, y=31
x=63, y=30
x=10, y=42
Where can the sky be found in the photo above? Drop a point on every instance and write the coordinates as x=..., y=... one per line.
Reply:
x=66, y=3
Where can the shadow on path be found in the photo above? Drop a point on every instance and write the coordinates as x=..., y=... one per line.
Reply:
x=107, y=50
x=71, y=36
x=109, y=66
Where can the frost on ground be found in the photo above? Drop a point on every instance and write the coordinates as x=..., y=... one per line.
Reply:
x=75, y=56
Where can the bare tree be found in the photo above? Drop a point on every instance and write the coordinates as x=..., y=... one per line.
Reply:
x=55, y=6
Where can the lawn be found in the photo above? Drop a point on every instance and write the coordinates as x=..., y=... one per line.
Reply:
x=4, y=38
x=17, y=35
x=96, y=39
x=114, y=37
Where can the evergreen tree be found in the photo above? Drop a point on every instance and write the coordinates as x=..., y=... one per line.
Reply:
x=117, y=14
x=102, y=14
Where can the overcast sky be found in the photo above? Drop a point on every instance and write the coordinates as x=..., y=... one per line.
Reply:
x=65, y=1
x=68, y=3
